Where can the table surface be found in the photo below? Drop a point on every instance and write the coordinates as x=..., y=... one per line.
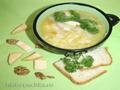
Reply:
x=15, y=12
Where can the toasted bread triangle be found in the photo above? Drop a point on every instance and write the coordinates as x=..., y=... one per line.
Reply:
x=32, y=56
x=20, y=28
x=40, y=64
x=24, y=46
x=13, y=57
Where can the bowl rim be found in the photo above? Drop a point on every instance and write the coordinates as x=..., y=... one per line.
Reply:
x=75, y=50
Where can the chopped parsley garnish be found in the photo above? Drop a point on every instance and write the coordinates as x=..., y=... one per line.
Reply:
x=87, y=61
x=72, y=63
x=89, y=26
x=86, y=24
x=61, y=17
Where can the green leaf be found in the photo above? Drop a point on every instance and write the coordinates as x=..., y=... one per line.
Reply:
x=69, y=54
x=70, y=68
x=61, y=17
x=77, y=55
x=72, y=64
x=86, y=24
x=78, y=65
x=87, y=61
x=89, y=26
x=75, y=16
x=73, y=55
x=93, y=30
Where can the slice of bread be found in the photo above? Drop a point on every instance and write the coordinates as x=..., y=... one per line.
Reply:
x=32, y=57
x=80, y=77
x=40, y=64
x=13, y=56
x=24, y=46
x=101, y=58
x=20, y=28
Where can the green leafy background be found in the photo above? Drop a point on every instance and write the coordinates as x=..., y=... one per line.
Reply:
x=15, y=12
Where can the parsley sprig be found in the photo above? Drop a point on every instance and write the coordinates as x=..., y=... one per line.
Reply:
x=72, y=63
x=86, y=24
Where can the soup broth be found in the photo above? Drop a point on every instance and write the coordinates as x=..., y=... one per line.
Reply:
x=72, y=29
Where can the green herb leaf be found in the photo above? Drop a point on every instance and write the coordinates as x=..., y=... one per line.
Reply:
x=69, y=54
x=93, y=30
x=77, y=55
x=74, y=15
x=89, y=26
x=78, y=65
x=74, y=56
x=72, y=64
x=87, y=61
x=70, y=68
x=61, y=17
x=68, y=62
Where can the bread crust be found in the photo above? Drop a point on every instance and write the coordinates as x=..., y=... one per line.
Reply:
x=107, y=52
x=74, y=81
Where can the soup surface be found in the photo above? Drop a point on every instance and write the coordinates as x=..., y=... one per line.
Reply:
x=72, y=29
